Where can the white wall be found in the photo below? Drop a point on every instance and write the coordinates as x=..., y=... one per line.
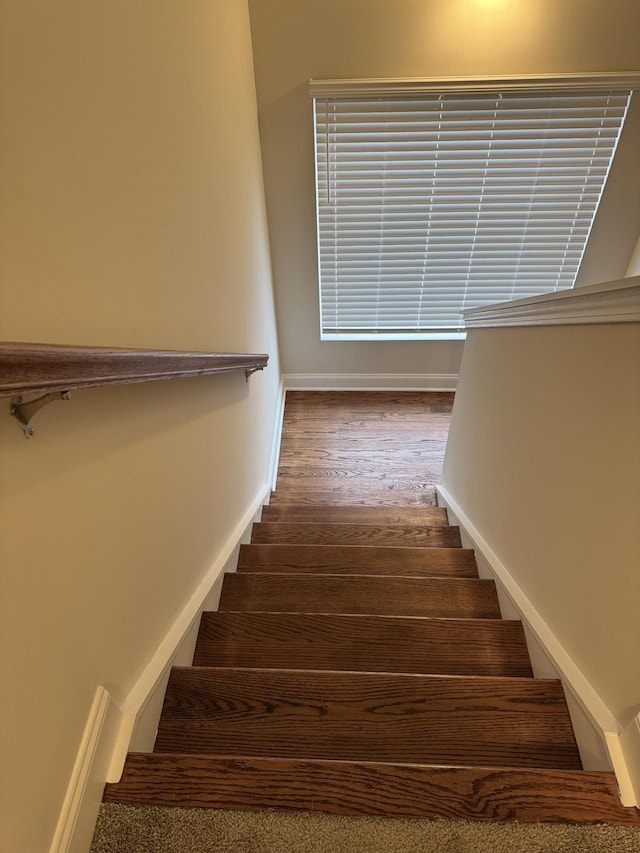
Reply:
x=295, y=40
x=132, y=215
x=543, y=458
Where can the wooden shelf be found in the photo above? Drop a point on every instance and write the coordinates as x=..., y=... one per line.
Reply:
x=27, y=368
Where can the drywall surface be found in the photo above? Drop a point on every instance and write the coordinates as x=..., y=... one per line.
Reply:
x=543, y=457
x=132, y=215
x=295, y=40
x=634, y=263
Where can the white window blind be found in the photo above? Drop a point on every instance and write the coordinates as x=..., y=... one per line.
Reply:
x=429, y=204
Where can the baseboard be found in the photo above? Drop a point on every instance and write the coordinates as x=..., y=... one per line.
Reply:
x=629, y=744
x=277, y=435
x=602, y=742
x=370, y=381
x=177, y=637
x=142, y=725
x=111, y=730
x=82, y=800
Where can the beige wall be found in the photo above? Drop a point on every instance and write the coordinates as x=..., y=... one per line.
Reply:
x=132, y=215
x=634, y=263
x=543, y=457
x=295, y=40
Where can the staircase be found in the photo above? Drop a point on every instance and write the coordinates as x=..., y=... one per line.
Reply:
x=359, y=665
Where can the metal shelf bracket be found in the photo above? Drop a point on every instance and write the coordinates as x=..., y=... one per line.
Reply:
x=24, y=412
x=251, y=370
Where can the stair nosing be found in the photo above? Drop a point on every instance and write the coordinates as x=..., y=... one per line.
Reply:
x=311, y=614
x=340, y=545
x=369, y=675
x=236, y=756
x=402, y=526
x=293, y=575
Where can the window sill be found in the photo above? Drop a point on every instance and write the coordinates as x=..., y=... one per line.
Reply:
x=394, y=336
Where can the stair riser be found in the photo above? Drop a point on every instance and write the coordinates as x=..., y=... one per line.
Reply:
x=309, y=533
x=368, y=717
x=447, y=598
x=377, y=495
x=362, y=643
x=352, y=559
x=356, y=515
x=466, y=793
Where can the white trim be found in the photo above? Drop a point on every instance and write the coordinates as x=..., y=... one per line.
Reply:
x=144, y=726
x=370, y=381
x=629, y=743
x=277, y=435
x=573, y=679
x=610, y=302
x=79, y=811
x=622, y=761
x=157, y=667
x=355, y=335
x=110, y=728
x=429, y=85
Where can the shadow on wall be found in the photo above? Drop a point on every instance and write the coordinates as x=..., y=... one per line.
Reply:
x=100, y=422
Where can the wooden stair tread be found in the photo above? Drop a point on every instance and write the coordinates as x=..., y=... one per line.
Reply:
x=363, y=643
x=312, y=533
x=352, y=559
x=432, y=719
x=363, y=788
x=375, y=595
x=428, y=516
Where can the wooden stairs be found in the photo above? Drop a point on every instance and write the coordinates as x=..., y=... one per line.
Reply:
x=358, y=665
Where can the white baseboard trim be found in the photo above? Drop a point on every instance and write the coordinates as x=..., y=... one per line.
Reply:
x=110, y=728
x=79, y=812
x=277, y=435
x=628, y=741
x=584, y=701
x=161, y=662
x=370, y=381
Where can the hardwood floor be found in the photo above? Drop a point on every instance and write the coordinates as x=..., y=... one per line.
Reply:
x=362, y=447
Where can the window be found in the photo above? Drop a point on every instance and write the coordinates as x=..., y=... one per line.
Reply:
x=434, y=198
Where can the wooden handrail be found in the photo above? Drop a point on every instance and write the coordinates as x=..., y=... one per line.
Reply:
x=44, y=368
x=52, y=370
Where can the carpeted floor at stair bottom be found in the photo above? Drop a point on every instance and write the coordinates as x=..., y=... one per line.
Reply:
x=146, y=829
